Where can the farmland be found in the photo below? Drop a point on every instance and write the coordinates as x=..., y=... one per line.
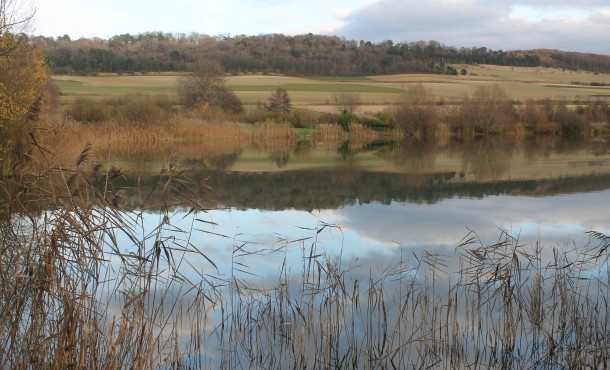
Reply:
x=376, y=92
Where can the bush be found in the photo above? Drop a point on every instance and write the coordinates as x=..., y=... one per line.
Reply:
x=415, y=112
x=87, y=110
x=304, y=118
x=205, y=87
x=143, y=109
x=345, y=120
x=488, y=110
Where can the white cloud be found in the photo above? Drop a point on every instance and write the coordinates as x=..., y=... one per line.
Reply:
x=495, y=24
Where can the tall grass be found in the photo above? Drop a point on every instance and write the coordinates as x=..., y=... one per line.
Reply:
x=85, y=283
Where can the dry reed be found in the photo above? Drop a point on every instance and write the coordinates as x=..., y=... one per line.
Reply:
x=75, y=294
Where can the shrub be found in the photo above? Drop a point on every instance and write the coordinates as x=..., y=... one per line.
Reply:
x=228, y=101
x=488, y=111
x=304, y=118
x=205, y=87
x=415, y=112
x=345, y=120
x=534, y=118
x=87, y=110
x=143, y=109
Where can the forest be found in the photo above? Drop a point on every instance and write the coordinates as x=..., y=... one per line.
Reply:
x=301, y=55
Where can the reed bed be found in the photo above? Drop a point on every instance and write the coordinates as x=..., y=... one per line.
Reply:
x=86, y=284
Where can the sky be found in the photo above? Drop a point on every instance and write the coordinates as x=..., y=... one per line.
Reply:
x=569, y=25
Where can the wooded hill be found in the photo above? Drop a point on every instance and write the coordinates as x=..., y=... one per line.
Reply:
x=571, y=60
x=301, y=55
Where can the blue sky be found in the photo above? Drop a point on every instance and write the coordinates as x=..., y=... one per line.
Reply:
x=496, y=24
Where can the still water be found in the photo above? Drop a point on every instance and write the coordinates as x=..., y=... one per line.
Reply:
x=352, y=255
x=377, y=199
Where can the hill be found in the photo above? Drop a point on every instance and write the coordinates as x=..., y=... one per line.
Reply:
x=571, y=60
x=300, y=55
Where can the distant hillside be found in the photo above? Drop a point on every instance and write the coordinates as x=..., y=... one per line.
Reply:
x=301, y=55
x=571, y=60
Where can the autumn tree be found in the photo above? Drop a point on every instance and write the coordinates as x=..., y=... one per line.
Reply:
x=415, y=113
x=206, y=87
x=488, y=110
x=23, y=80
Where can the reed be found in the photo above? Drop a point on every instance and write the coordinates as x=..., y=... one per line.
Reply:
x=84, y=283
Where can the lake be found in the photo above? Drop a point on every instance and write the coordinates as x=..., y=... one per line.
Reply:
x=406, y=218
x=382, y=195
x=488, y=252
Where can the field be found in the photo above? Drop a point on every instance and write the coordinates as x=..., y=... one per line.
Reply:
x=376, y=91
x=104, y=267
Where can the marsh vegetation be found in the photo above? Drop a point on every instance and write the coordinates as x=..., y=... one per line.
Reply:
x=92, y=279
x=114, y=253
x=126, y=220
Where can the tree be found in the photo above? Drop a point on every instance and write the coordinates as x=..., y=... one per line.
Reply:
x=415, y=113
x=15, y=19
x=206, y=86
x=23, y=79
x=488, y=110
x=228, y=101
x=347, y=101
x=279, y=104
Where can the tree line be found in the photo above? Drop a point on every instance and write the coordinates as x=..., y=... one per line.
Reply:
x=308, y=54
x=573, y=60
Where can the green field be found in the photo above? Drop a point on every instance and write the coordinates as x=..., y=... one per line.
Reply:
x=70, y=89
x=373, y=88
x=376, y=92
x=342, y=79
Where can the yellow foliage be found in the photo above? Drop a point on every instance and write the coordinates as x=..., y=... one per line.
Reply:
x=23, y=77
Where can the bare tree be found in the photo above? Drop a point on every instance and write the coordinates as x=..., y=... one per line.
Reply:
x=414, y=111
x=15, y=19
x=488, y=110
x=347, y=101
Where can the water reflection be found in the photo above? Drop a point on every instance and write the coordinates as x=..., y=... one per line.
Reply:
x=487, y=159
x=317, y=176
x=412, y=156
x=361, y=238
x=373, y=253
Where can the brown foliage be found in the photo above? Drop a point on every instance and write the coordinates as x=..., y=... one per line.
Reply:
x=205, y=86
x=415, y=112
x=488, y=110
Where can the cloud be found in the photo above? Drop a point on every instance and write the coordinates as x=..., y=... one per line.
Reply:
x=496, y=24
x=502, y=25
x=446, y=223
